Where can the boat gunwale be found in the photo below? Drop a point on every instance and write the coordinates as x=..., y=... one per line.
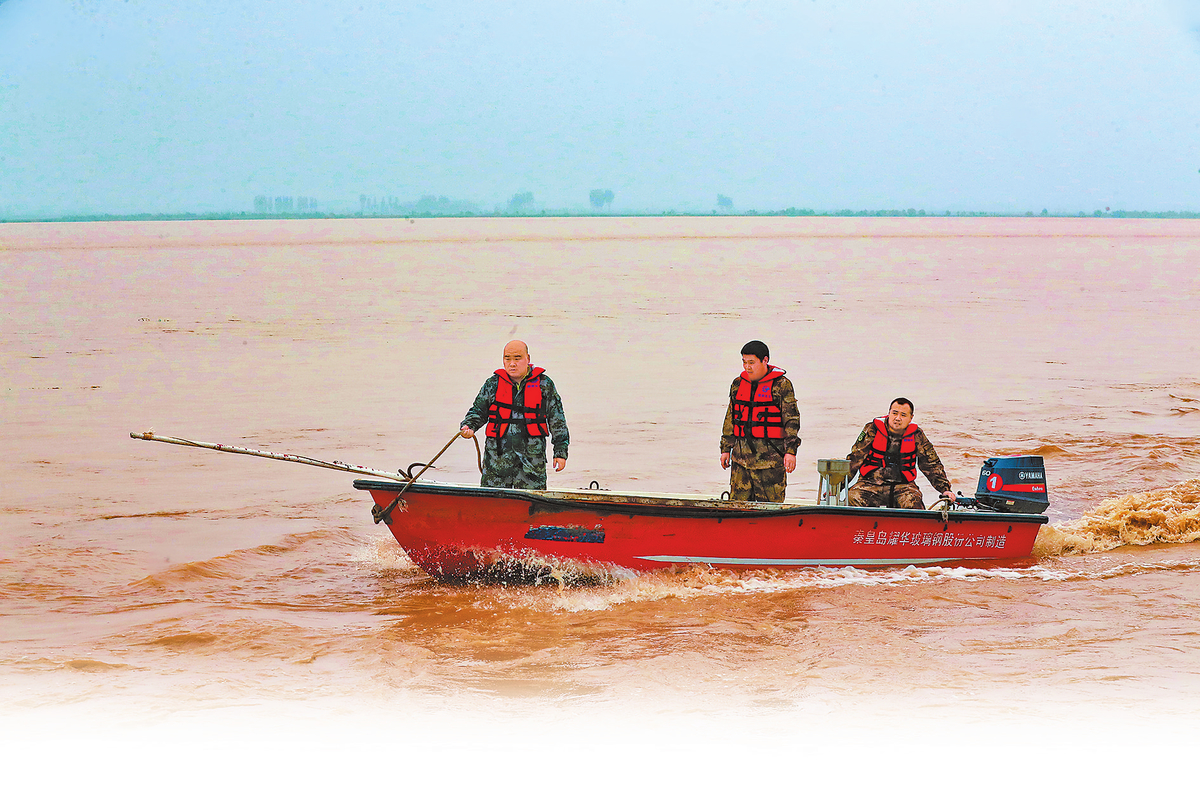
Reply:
x=687, y=507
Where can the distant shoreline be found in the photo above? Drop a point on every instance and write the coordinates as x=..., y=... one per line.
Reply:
x=789, y=212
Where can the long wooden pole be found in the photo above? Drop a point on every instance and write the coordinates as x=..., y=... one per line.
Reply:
x=150, y=436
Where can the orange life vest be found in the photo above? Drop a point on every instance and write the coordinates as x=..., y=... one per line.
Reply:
x=529, y=405
x=755, y=414
x=878, y=456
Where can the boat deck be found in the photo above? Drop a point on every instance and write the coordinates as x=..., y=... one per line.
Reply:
x=682, y=505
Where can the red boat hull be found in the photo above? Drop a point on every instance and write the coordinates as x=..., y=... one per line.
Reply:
x=464, y=532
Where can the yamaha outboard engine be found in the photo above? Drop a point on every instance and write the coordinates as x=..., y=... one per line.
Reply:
x=1016, y=485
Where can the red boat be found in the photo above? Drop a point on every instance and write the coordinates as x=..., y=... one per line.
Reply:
x=459, y=532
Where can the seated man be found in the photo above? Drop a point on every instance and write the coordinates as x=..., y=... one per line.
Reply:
x=886, y=457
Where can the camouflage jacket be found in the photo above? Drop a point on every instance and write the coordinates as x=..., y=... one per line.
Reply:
x=754, y=453
x=927, y=459
x=476, y=417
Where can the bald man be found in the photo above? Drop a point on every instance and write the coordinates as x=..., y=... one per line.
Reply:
x=521, y=408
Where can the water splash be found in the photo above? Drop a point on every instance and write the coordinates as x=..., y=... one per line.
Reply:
x=1161, y=516
x=698, y=581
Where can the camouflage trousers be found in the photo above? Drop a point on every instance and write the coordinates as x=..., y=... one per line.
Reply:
x=885, y=495
x=760, y=485
x=515, y=462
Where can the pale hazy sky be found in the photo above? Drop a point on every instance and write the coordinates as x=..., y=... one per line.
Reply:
x=114, y=106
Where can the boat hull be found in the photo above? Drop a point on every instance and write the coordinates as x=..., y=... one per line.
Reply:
x=459, y=532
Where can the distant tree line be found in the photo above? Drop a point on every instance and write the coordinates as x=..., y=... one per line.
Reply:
x=599, y=198
x=521, y=201
x=845, y=212
x=428, y=206
x=264, y=204
x=376, y=205
x=431, y=206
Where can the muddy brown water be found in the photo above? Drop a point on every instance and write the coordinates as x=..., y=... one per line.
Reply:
x=152, y=594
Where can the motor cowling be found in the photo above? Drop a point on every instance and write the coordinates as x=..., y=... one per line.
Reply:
x=1016, y=484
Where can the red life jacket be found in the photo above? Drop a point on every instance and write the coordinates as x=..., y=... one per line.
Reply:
x=755, y=414
x=530, y=405
x=878, y=456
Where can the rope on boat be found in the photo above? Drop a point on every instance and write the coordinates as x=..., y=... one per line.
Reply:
x=381, y=514
x=478, y=455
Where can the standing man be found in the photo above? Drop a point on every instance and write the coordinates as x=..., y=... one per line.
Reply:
x=762, y=429
x=886, y=457
x=521, y=408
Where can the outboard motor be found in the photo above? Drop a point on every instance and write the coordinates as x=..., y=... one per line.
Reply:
x=1016, y=485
